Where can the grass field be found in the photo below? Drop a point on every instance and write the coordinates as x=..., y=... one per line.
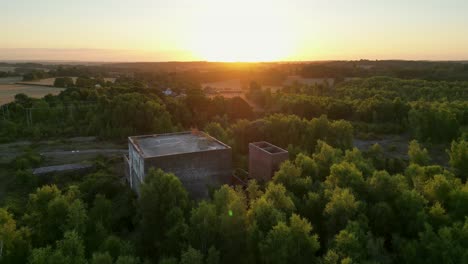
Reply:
x=8, y=91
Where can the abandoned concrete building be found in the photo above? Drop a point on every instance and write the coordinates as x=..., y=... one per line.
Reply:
x=200, y=161
x=264, y=160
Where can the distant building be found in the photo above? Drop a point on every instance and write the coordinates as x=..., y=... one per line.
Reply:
x=264, y=160
x=168, y=92
x=200, y=162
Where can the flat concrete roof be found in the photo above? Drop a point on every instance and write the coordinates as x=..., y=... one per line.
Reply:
x=268, y=147
x=175, y=143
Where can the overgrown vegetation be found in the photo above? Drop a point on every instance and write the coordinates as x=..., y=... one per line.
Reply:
x=329, y=203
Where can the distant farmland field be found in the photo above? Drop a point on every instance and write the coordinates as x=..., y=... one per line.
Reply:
x=225, y=85
x=236, y=85
x=45, y=82
x=7, y=69
x=8, y=91
x=50, y=81
x=10, y=80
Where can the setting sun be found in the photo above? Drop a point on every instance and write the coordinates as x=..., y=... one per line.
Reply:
x=238, y=45
x=238, y=32
x=233, y=131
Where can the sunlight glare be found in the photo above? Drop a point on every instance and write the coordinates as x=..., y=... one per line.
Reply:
x=236, y=31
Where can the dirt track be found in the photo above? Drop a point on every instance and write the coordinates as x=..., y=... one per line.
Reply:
x=57, y=152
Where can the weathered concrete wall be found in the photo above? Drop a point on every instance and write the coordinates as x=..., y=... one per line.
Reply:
x=259, y=164
x=262, y=164
x=198, y=171
x=136, y=166
x=127, y=169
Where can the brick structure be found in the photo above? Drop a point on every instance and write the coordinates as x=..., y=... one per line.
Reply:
x=200, y=162
x=264, y=160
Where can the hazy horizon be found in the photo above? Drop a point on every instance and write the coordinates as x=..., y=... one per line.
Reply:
x=111, y=56
x=208, y=30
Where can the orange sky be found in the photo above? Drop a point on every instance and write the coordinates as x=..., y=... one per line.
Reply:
x=242, y=30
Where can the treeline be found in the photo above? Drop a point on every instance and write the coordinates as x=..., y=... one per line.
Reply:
x=287, y=131
x=33, y=75
x=82, y=82
x=425, y=70
x=202, y=72
x=38, y=71
x=4, y=74
x=265, y=73
x=114, y=112
x=76, y=112
x=329, y=206
x=432, y=111
x=428, y=121
x=410, y=90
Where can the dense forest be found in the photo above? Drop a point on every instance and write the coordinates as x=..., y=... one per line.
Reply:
x=330, y=203
x=435, y=111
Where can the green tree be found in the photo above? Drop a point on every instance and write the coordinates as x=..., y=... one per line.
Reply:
x=130, y=113
x=448, y=244
x=191, y=256
x=168, y=260
x=325, y=156
x=364, y=165
x=101, y=211
x=409, y=208
x=231, y=207
x=127, y=260
x=459, y=158
x=213, y=256
x=356, y=243
x=162, y=204
x=238, y=108
x=59, y=82
x=52, y=213
x=253, y=191
x=203, y=226
x=68, y=250
x=116, y=247
x=292, y=178
x=341, y=207
x=417, y=154
x=7, y=232
x=101, y=258
x=14, y=242
x=264, y=215
x=77, y=217
x=376, y=154
x=217, y=131
x=290, y=243
x=277, y=195
x=346, y=175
